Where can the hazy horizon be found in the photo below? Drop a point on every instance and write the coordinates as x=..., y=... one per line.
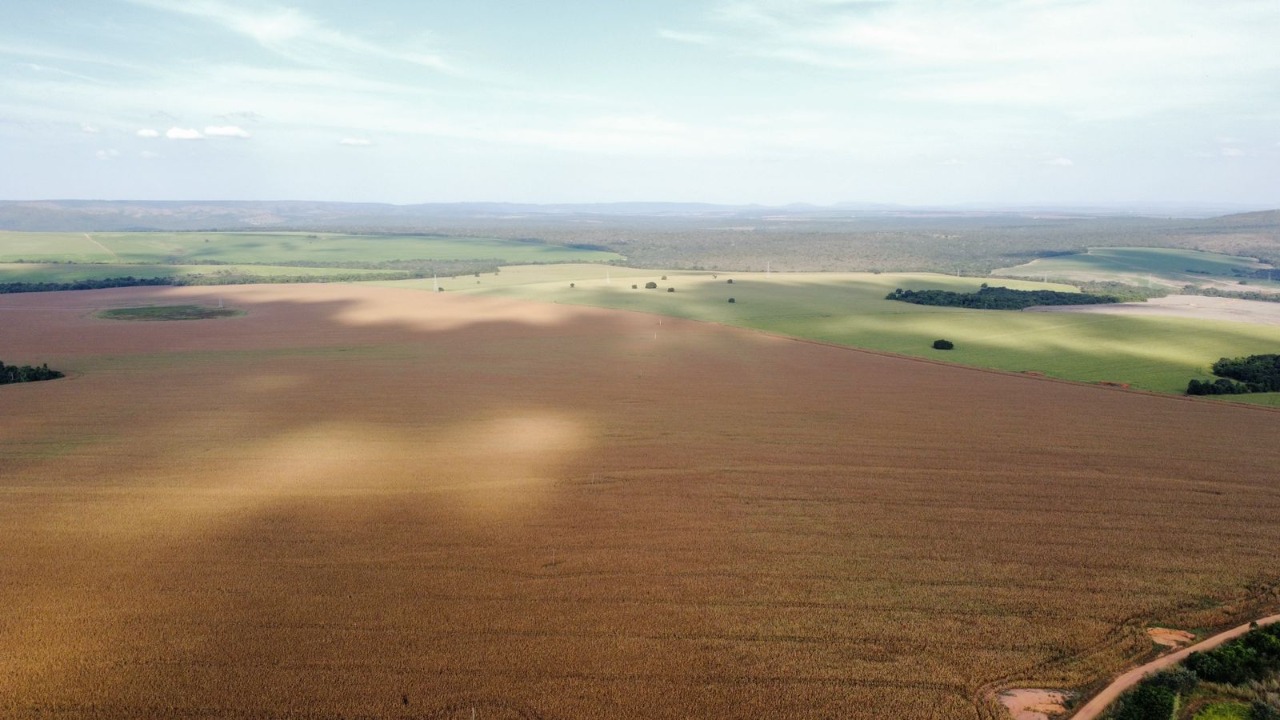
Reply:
x=1008, y=103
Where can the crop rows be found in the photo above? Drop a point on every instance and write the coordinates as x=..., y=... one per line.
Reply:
x=358, y=501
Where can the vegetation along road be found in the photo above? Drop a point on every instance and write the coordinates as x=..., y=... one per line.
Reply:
x=1102, y=700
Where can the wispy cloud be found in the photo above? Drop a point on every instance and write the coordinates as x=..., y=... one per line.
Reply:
x=1090, y=58
x=177, y=133
x=1059, y=162
x=231, y=131
x=356, y=142
x=110, y=154
x=688, y=38
x=148, y=133
x=296, y=35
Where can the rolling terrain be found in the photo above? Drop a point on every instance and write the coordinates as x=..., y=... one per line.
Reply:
x=1150, y=352
x=361, y=501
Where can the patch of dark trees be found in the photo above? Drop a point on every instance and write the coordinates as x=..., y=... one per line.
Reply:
x=26, y=373
x=1251, y=658
x=997, y=298
x=1238, y=376
x=221, y=278
x=1242, y=295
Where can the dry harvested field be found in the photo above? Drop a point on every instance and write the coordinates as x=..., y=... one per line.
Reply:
x=364, y=502
x=1187, y=306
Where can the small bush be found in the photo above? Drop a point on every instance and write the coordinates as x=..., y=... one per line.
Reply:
x=730, y=281
x=732, y=300
x=572, y=285
x=943, y=344
x=651, y=285
x=671, y=289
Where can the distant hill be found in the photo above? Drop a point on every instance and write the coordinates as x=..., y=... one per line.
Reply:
x=127, y=215
x=1266, y=220
x=105, y=216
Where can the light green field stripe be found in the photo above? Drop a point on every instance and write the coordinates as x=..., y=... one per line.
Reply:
x=69, y=272
x=282, y=248
x=1158, y=354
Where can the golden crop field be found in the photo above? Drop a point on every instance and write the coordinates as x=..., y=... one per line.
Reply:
x=380, y=503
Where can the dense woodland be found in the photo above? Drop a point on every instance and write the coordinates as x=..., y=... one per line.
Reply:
x=997, y=298
x=26, y=373
x=1237, y=376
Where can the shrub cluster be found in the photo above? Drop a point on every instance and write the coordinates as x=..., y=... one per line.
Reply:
x=26, y=373
x=997, y=298
x=1250, y=658
x=1256, y=373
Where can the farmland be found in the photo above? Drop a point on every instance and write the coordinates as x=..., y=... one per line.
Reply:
x=1155, y=353
x=276, y=248
x=1152, y=266
x=359, y=501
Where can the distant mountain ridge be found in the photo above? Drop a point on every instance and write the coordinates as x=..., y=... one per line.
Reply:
x=177, y=215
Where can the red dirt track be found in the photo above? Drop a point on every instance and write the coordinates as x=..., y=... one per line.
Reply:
x=366, y=502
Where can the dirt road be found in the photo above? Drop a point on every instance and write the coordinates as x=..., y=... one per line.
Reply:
x=1100, y=701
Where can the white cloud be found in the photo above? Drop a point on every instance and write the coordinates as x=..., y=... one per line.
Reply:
x=1232, y=152
x=1059, y=162
x=232, y=131
x=177, y=133
x=1092, y=59
x=148, y=133
x=110, y=154
x=294, y=34
x=90, y=129
x=148, y=155
x=356, y=142
x=686, y=37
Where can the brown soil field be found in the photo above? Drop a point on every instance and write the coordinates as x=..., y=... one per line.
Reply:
x=358, y=502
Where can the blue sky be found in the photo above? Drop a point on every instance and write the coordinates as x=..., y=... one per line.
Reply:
x=737, y=101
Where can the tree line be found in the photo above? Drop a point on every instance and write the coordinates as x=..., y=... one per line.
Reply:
x=218, y=278
x=26, y=373
x=997, y=298
x=1238, y=376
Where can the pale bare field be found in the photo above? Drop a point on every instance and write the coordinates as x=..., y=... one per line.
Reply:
x=1256, y=312
x=364, y=502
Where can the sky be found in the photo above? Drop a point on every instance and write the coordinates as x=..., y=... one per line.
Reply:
x=923, y=102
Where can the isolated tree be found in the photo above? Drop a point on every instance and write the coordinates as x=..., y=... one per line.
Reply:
x=651, y=285
x=943, y=344
x=671, y=289
x=732, y=300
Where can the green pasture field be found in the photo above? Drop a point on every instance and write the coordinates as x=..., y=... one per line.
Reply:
x=71, y=272
x=1140, y=266
x=277, y=248
x=1224, y=711
x=1158, y=354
